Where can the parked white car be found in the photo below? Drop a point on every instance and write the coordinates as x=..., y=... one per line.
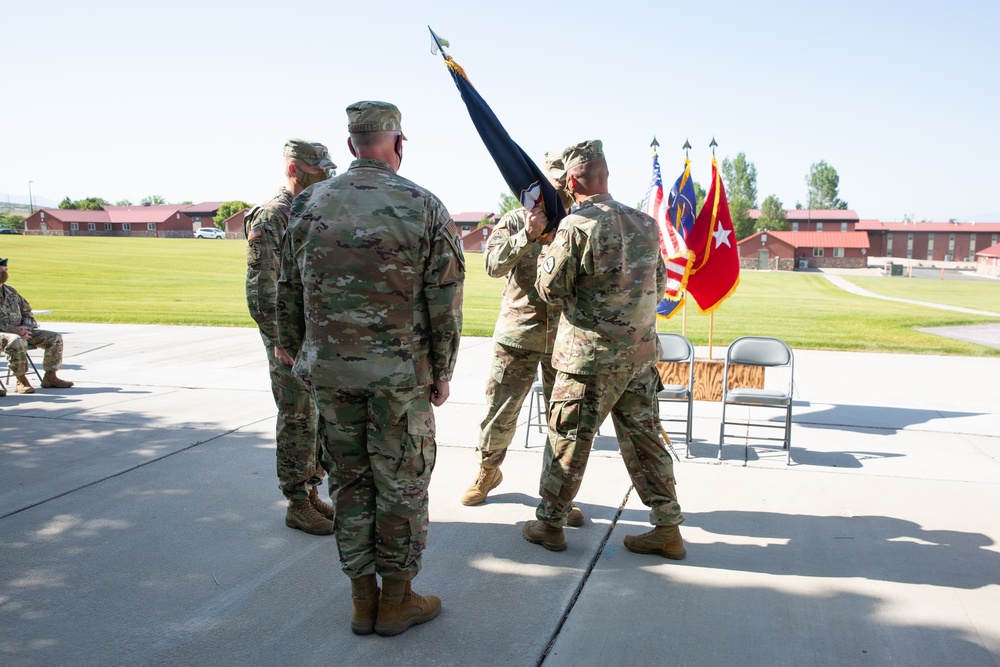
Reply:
x=209, y=233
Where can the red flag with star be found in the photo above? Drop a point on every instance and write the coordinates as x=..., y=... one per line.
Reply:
x=715, y=272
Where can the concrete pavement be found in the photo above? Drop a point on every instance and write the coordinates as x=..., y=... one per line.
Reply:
x=140, y=523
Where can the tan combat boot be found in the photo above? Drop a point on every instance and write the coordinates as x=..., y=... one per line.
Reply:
x=364, y=592
x=324, y=508
x=399, y=608
x=302, y=515
x=50, y=381
x=662, y=540
x=539, y=532
x=488, y=479
x=575, y=517
x=23, y=386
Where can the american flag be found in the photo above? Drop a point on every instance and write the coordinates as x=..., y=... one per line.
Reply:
x=672, y=246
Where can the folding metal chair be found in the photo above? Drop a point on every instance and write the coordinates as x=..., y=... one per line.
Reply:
x=678, y=349
x=30, y=362
x=536, y=407
x=768, y=353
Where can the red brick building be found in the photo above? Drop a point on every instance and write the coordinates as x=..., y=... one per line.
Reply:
x=988, y=261
x=474, y=240
x=233, y=225
x=785, y=251
x=468, y=221
x=165, y=221
x=930, y=241
x=816, y=238
x=839, y=242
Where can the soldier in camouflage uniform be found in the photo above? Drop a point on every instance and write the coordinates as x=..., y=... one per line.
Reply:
x=370, y=305
x=605, y=266
x=18, y=328
x=299, y=470
x=522, y=340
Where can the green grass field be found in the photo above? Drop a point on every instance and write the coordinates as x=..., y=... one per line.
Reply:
x=200, y=282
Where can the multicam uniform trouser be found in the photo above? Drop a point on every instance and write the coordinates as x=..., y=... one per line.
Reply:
x=580, y=403
x=295, y=432
x=17, y=350
x=510, y=380
x=379, y=450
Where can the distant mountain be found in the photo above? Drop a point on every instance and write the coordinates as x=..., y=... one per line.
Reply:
x=22, y=201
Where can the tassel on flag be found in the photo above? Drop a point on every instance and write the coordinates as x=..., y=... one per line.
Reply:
x=523, y=177
x=715, y=273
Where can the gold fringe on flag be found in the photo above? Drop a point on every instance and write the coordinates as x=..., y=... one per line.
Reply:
x=455, y=67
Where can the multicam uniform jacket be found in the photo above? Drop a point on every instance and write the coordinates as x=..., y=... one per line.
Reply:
x=370, y=293
x=605, y=266
x=14, y=311
x=526, y=321
x=265, y=227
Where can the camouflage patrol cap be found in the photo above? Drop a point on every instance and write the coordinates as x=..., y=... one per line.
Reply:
x=374, y=116
x=585, y=151
x=309, y=152
x=554, y=166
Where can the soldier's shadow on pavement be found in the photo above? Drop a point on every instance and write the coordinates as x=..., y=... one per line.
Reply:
x=512, y=499
x=880, y=548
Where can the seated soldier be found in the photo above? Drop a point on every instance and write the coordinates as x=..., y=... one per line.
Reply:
x=18, y=328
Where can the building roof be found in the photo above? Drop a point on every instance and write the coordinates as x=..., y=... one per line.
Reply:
x=817, y=239
x=204, y=208
x=472, y=216
x=72, y=215
x=813, y=215
x=992, y=251
x=477, y=230
x=945, y=227
x=116, y=214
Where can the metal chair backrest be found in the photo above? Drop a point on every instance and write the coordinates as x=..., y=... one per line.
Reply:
x=760, y=351
x=675, y=347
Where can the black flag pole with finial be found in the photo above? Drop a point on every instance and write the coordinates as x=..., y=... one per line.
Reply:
x=525, y=180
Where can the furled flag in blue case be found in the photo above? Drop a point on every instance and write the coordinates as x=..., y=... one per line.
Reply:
x=522, y=176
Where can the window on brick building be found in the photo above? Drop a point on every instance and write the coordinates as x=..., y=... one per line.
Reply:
x=838, y=252
x=817, y=252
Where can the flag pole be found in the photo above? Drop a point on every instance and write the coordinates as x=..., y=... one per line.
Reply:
x=711, y=316
x=437, y=41
x=684, y=307
x=711, y=327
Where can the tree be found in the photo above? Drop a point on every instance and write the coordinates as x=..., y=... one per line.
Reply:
x=824, y=183
x=123, y=202
x=740, y=179
x=152, y=200
x=11, y=221
x=508, y=202
x=85, y=204
x=772, y=215
x=486, y=220
x=228, y=209
x=699, y=197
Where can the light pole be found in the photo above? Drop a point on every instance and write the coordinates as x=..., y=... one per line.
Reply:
x=31, y=202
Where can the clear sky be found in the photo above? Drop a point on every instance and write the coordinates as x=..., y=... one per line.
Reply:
x=192, y=100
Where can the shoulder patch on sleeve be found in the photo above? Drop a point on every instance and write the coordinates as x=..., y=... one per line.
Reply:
x=550, y=263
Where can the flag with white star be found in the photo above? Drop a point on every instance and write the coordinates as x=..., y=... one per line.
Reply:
x=715, y=272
